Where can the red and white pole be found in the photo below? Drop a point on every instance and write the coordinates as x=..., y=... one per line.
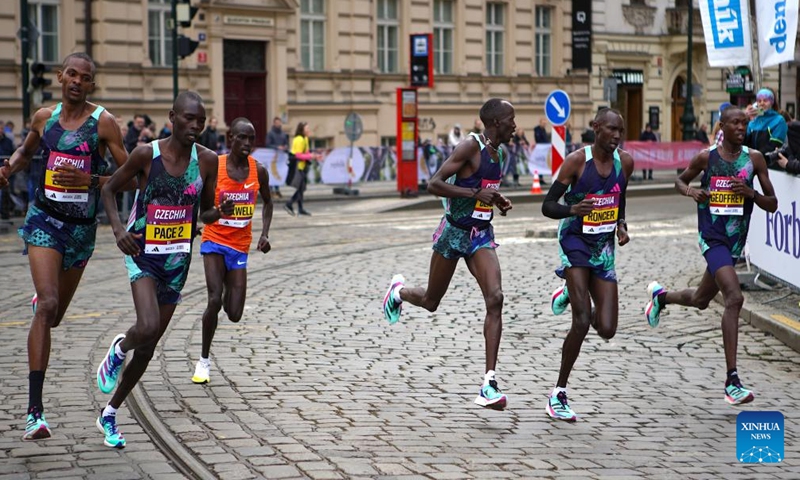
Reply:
x=558, y=148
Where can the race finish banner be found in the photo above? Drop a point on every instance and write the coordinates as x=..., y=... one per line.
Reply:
x=662, y=155
x=777, y=30
x=726, y=27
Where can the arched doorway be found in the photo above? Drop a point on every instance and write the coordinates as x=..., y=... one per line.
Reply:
x=678, y=103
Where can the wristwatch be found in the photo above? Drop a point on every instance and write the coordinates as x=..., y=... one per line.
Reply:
x=94, y=182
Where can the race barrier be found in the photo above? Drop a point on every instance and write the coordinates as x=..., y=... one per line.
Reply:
x=774, y=238
x=662, y=155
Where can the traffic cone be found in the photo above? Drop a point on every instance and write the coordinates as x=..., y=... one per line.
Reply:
x=536, y=187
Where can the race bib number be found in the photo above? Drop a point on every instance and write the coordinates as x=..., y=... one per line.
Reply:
x=605, y=214
x=168, y=230
x=244, y=205
x=723, y=200
x=59, y=193
x=483, y=211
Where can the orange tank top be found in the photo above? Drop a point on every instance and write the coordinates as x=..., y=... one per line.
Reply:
x=235, y=231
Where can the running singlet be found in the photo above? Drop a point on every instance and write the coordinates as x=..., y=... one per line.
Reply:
x=235, y=231
x=166, y=213
x=470, y=212
x=589, y=241
x=78, y=148
x=725, y=218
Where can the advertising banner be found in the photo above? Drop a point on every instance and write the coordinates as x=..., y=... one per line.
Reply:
x=774, y=238
x=662, y=155
x=777, y=30
x=726, y=27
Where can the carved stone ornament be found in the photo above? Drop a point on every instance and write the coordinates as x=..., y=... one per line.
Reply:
x=640, y=16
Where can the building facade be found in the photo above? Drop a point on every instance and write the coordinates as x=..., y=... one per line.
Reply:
x=311, y=60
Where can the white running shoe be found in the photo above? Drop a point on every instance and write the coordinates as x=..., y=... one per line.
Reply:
x=201, y=372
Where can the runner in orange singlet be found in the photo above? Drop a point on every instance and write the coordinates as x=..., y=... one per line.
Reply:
x=225, y=243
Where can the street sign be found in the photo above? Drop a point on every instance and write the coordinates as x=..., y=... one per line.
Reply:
x=557, y=107
x=353, y=126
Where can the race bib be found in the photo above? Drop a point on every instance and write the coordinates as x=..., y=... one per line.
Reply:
x=482, y=210
x=244, y=205
x=605, y=214
x=723, y=200
x=169, y=230
x=59, y=193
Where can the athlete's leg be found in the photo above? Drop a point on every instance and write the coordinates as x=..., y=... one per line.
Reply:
x=143, y=352
x=728, y=283
x=578, y=287
x=606, y=312
x=441, y=272
x=235, y=293
x=698, y=297
x=148, y=319
x=215, y=274
x=45, y=265
x=485, y=267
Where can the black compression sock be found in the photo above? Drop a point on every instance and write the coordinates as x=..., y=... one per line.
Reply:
x=35, y=387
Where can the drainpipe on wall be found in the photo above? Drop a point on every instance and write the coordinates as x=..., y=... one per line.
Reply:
x=87, y=27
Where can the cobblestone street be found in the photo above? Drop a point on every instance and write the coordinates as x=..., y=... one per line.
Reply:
x=313, y=383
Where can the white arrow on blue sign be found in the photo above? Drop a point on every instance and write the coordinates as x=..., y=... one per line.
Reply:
x=557, y=107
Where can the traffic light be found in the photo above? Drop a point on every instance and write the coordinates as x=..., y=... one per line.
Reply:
x=185, y=13
x=186, y=46
x=39, y=83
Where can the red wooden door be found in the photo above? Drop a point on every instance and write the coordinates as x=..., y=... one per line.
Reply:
x=246, y=96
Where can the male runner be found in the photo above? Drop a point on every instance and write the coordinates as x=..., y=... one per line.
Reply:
x=593, y=181
x=724, y=204
x=466, y=232
x=60, y=228
x=226, y=243
x=157, y=242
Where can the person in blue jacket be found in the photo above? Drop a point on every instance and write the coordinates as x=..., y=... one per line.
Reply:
x=767, y=128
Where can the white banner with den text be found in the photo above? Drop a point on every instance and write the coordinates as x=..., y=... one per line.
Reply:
x=774, y=238
x=726, y=27
x=777, y=30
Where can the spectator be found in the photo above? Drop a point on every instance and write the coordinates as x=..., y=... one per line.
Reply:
x=702, y=135
x=790, y=161
x=131, y=139
x=301, y=150
x=279, y=140
x=210, y=137
x=477, y=127
x=519, y=145
x=455, y=137
x=9, y=131
x=166, y=131
x=540, y=134
x=6, y=150
x=767, y=128
x=648, y=136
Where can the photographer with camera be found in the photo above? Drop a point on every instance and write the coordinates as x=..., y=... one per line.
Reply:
x=786, y=156
x=767, y=128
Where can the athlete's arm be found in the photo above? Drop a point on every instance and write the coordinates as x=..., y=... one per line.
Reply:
x=22, y=156
x=136, y=164
x=110, y=133
x=210, y=213
x=768, y=201
x=622, y=224
x=566, y=176
x=266, y=211
x=460, y=159
x=698, y=165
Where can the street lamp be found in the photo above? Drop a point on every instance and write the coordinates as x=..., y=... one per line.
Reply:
x=688, y=117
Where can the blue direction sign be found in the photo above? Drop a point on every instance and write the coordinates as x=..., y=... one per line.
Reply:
x=557, y=107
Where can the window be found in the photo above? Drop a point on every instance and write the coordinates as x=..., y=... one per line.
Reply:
x=443, y=36
x=387, y=36
x=44, y=14
x=389, y=142
x=543, y=40
x=312, y=34
x=159, y=36
x=494, y=38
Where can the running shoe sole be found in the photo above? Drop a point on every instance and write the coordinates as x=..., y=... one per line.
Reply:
x=557, y=293
x=41, y=433
x=554, y=416
x=99, y=425
x=110, y=352
x=746, y=399
x=498, y=404
x=392, y=284
x=651, y=304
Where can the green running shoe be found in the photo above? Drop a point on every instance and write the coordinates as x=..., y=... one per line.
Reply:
x=391, y=307
x=108, y=427
x=36, y=427
x=653, y=309
x=558, y=408
x=736, y=394
x=559, y=300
